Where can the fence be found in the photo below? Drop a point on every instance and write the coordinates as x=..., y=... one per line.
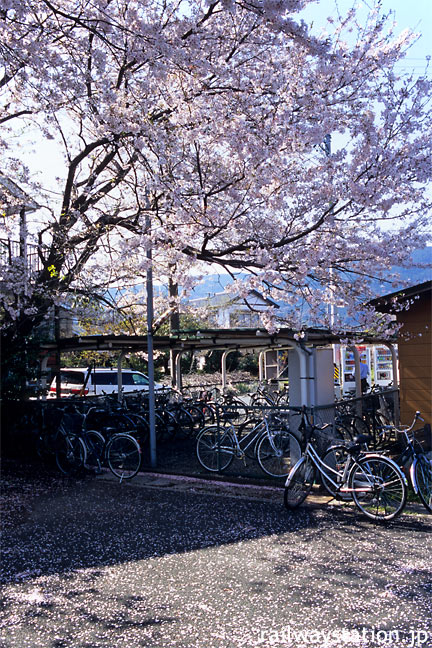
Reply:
x=176, y=451
x=11, y=250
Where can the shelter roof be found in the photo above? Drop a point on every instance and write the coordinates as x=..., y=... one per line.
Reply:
x=205, y=339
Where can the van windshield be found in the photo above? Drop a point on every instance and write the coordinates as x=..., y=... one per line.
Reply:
x=138, y=379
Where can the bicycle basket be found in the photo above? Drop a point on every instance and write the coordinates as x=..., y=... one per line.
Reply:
x=72, y=422
x=324, y=438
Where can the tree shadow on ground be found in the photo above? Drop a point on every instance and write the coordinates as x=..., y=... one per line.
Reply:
x=57, y=525
x=92, y=564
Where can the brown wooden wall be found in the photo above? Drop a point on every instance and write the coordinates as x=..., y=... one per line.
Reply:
x=415, y=359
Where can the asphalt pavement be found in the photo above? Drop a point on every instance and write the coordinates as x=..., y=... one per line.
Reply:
x=174, y=562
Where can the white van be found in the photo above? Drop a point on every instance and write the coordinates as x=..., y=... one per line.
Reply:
x=101, y=381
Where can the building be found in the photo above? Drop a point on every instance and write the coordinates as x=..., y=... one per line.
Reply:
x=229, y=311
x=412, y=308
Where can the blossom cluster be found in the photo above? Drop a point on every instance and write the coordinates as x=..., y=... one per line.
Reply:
x=202, y=132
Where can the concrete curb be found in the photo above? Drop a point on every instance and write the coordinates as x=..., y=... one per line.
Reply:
x=224, y=488
x=213, y=487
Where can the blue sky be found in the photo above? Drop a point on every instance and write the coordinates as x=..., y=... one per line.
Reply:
x=415, y=15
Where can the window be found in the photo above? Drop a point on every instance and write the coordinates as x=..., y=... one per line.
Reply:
x=139, y=379
x=72, y=377
x=104, y=378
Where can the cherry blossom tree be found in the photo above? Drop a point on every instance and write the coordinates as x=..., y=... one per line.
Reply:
x=202, y=130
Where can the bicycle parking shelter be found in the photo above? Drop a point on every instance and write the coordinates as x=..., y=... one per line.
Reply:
x=310, y=361
x=310, y=364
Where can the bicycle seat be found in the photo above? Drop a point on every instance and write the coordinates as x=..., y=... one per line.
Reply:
x=358, y=442
x=362, y=438
x=229, y=416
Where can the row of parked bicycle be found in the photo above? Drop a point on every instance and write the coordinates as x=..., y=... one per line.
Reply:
x=88, y=433
x=364, y=458
x=80, y=432
x=94, y=432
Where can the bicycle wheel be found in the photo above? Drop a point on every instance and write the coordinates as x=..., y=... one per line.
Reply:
x=335, y=459
x=185, y=423
x=299, y=483
x=121, y=422
x=342, y=432
x=379, y=487
x=71, y=455
x=354, y=425
x=95, y=447
x=209, y=413
x=260, y=404
x=123, y=454
x=237, y=410
x=215, y=448
x=422, y=476
x=197, y=416
x=282, y=399
x=166, y=425
x=141, y=427
x=278, y=454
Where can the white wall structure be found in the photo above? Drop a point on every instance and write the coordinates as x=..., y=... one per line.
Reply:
x=323, y=383
x=230, y=311
x=310, y=373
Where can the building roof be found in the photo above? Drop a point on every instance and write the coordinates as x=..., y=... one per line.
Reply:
x=20, y=200
x=225, y=299
x=386, y=303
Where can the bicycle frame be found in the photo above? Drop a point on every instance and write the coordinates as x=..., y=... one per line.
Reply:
x=325, y=470
x=258, y=431
x=255, y=433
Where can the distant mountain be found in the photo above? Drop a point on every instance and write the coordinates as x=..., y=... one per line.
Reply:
x=212, y=284
x=417, y=275
x=216, y=283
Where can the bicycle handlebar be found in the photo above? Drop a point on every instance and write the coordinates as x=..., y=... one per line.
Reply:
x=405, y=430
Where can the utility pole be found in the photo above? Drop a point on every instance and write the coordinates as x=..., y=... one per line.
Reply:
x=327, y=149
x=332, y=308
x=150, y=358
x=174, y=322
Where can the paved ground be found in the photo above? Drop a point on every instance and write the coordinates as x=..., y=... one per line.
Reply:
x=175, y=563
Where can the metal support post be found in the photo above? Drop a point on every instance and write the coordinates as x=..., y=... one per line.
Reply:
x=150, y=359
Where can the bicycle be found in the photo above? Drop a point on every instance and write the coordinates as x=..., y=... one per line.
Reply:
x=282, y=396
x=172, y=419
x=54, y=442
x=71, y=451
x=263, y=397
x=237, y=410
x=276, y=450
x=90, y=448
x=375, y=482
x=413, y=455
